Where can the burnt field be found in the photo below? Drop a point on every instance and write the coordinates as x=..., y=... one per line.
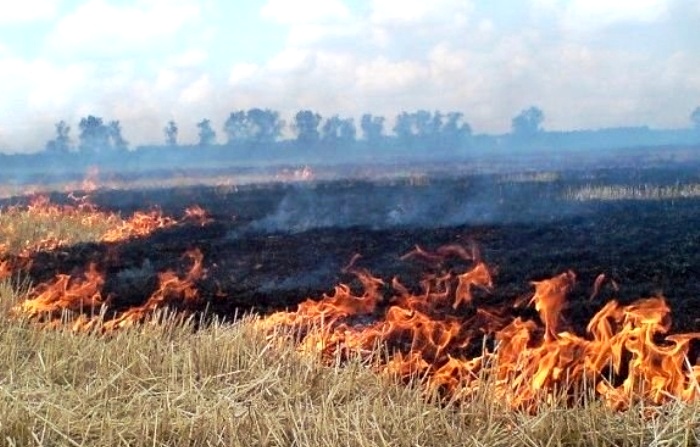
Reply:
x=267, y=247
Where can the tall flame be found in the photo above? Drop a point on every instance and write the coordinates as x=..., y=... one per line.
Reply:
x=432, y=335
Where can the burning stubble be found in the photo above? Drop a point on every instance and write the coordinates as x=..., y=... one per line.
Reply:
x=443, y=335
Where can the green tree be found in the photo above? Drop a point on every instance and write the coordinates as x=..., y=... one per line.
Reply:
x=695, y=118
x=306, y=125
x=207, y=136
x=115, y=134
x=62, y=142
x=528, y=122
x=170, y=131
x=94, y=135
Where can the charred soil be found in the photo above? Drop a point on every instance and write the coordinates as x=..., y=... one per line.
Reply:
x=269, y=247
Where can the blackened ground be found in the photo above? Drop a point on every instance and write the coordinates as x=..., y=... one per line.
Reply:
x=525, y=231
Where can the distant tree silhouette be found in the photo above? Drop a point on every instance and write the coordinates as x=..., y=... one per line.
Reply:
x=528, y=122
x=424, y=129
x=255, y=125
x=170, y=131
x=237, y=127
x=454, y=131
x=418, y=125
x=115, y=135
x=267, y=125
x=94, y=135
x=60, y=144
x=372, y=127
x=422, y=121
x=695, y=118
x=455, y=125
x=207, y=136
x=306, y=125
x=403, y=127
x=338, y=130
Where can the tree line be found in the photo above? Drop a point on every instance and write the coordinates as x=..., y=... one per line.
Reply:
x=259, y=127
x=265, y=126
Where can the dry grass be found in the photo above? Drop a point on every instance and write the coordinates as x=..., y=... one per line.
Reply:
x=530, y=177
x=228, y=385
x=22, y=228
x=634, y=192
x=164, y=384
x=167, y=385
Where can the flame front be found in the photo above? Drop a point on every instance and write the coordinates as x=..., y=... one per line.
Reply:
x=432, y=335
x=445, y=333
x=139, y=225
x=82, y=295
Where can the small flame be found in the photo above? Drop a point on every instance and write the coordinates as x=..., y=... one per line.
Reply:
x=197, y=214
x=49, y=301
x=171, y=289
x=64, y=293
x=139, y=225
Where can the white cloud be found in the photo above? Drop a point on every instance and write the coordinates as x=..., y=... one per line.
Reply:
x=587, y=13
x=192, y=58
x=98, y=27
x=198, y=90
x=304, y=11
x=381, y=75
x=28, y=11
x=291, y=60
x=415, y=11
x=36, y=94
x=242, y=72
x=311, y=21
x=445, y=55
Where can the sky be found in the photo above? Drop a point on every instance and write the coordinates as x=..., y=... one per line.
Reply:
x=585, y=63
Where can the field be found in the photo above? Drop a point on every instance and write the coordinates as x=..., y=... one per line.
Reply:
x=178, y=316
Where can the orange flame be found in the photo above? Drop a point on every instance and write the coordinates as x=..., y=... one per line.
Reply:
x=49, y=301
x=64, y=293
x=197, y=214
x=440, y=333
x=171, y=289
x=139, y=225
x=428, y=335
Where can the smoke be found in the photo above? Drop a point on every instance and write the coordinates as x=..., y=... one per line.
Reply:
x=411, y=203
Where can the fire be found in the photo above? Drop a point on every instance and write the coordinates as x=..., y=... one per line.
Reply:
x=433, y=334
x=42, y=213
x=443, y=331
x=171, y=291
x=5, y=269
x=139, y=225
x=197, y=214
x=82, y=296
x=65, y=293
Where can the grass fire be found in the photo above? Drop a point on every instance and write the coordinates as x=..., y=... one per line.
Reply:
x=257, y=316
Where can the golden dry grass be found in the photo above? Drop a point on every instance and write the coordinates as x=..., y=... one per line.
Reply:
x=24, y=229
x=164, y=384
x=167, y=385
